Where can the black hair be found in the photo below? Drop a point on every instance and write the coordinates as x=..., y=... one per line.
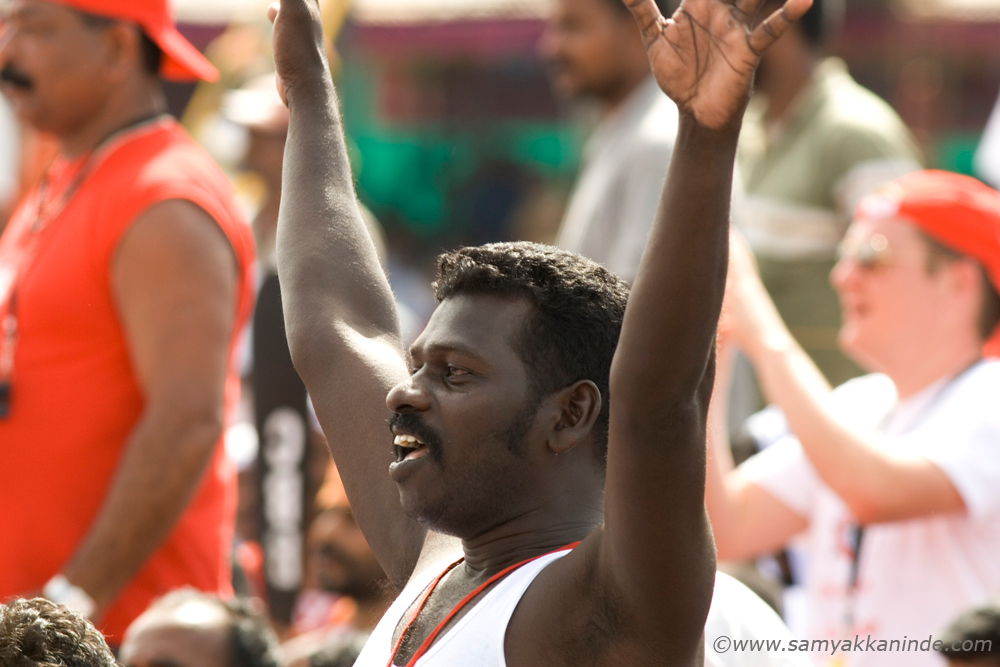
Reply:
x=989, y=310
x=152, y=55
x=973, y=636
x=253, y=643
x=578, y=311
x=40, y=633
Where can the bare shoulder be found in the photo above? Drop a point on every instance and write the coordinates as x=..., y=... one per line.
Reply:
x=177, y=229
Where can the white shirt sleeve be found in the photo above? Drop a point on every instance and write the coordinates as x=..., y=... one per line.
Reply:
x=737, y=616
x=962, y=438
x=784, y=471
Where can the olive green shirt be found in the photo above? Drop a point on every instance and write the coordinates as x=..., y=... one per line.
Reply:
x=802, y=183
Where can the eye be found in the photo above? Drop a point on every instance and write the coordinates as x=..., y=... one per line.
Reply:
x=414, y=370
x=454, y=371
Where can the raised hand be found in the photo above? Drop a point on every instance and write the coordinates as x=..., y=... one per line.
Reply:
x=704, y=57
x=299, y=51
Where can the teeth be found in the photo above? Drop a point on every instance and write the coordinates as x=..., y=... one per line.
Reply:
x=407, y=441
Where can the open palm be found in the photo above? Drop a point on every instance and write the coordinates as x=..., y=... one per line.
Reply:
x=705, y=56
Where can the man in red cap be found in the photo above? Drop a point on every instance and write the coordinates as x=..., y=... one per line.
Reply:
x=124, y=278
x=895, y=475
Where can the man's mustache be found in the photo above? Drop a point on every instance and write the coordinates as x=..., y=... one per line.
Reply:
x=411, y=424
x=13, y=76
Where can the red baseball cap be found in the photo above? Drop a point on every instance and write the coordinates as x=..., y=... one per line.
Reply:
x=181, y=60
x=957, y=211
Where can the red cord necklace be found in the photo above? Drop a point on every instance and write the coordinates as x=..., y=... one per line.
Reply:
x=422, y=649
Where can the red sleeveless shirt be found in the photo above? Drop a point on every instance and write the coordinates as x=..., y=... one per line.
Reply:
x=75, y=399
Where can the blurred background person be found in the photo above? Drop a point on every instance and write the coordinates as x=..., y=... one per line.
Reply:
x=595, y=52
x=813, y=143
x=349, y=590
x=124, y=280
x=38, y=632
x=188, y=628
x=973, y=639
x=894, y=478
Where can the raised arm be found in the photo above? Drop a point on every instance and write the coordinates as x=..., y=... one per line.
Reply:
x=657, y=547
x=340, y=315
x=877, y=486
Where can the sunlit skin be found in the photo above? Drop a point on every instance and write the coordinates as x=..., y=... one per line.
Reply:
x=593, y=49
x=195, y=634
x=890, y=312
x=511, y=483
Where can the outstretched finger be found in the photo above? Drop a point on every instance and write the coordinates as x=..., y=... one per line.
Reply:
x=649, y=18
x=775, y=25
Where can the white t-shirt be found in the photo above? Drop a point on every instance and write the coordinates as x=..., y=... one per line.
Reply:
x=625, y=162
x=738, y=616
x=914, y=576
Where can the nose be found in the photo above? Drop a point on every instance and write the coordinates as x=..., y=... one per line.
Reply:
x=844, y=274
x=408, y=397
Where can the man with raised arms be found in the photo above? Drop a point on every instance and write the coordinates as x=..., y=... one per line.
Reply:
x=503, y=433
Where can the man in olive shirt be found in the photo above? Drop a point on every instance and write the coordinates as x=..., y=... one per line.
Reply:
x=813, y=143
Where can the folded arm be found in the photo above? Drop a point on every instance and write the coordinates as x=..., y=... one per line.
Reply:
x=876, y=485
x=657, y=547
x=340, y=314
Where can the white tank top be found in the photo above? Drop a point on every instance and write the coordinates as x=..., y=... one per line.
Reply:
x=476, y=640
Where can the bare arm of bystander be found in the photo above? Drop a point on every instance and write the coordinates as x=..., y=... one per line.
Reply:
x=175, y=280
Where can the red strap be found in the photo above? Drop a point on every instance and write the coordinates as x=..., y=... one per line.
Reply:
x=461, y=604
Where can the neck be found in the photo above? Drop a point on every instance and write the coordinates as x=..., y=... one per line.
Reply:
x=615, y=96
x=784, y=82
x=532, y=534
x=111, y=118
x=370, y=611
x=937, y=363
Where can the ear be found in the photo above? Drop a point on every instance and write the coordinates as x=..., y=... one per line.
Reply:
x=123, y=49
x=965, y=277
x=578, y=407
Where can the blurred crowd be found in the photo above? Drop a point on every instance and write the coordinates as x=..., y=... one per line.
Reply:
x=163, y=474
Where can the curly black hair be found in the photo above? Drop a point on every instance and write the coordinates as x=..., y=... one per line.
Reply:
x=973, y=637
x=579, y=308
x=40, y=633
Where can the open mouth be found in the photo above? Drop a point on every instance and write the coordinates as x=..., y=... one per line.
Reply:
x=407, y=447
